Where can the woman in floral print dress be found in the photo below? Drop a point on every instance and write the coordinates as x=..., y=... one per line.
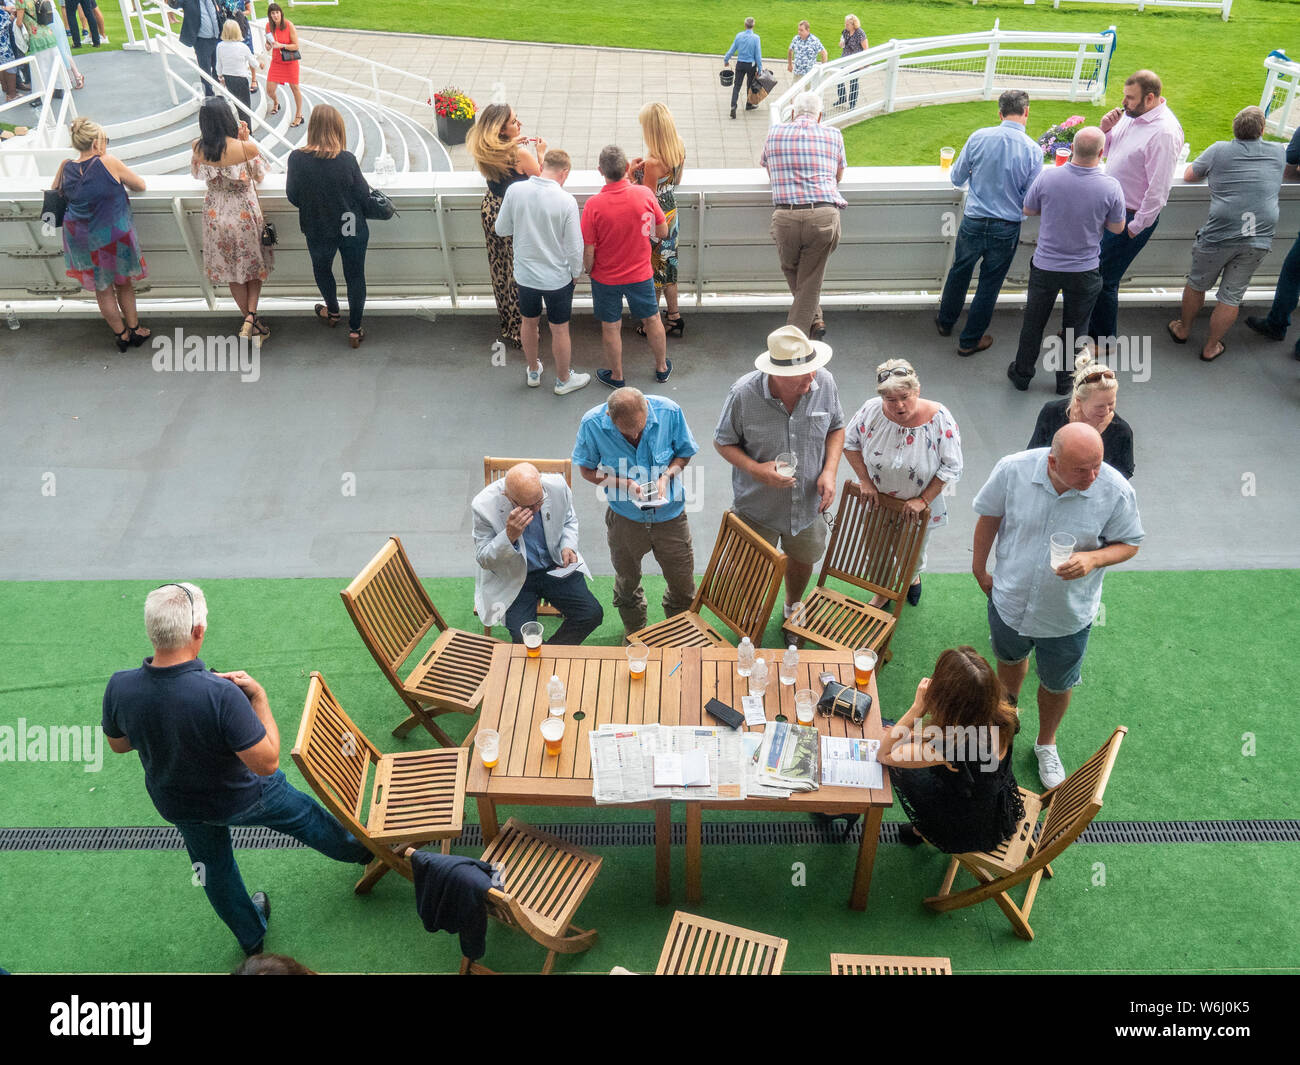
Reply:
x=904, y=446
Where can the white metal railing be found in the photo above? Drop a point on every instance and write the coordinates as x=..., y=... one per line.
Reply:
x=1223, y=6
x=1281, y=87
x=921, y=70
x=50, y=128
x=425, y=84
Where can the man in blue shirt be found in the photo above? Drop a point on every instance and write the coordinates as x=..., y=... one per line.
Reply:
x=1000, y=163
x=201, y=29
x=749, y=63
x=635, y=447
x=210, y=750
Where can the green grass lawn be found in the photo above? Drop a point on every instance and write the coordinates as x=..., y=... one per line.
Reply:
x=1211, y=69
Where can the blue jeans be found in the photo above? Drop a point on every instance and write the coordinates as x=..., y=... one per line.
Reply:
x=994, y=240
x=205, y=54
x=1287, y=294
x=1118, y=250
x=569, y=595
x=284, y=808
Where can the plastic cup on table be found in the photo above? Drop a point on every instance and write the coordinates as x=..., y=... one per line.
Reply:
x=488, y=744
x=864, y=661
x=637, y=653
x=552, y=730
x=531, y=631
x=1061, y=547
x=805, y=705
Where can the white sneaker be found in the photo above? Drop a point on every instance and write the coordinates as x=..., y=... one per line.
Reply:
x=534, y=376
x=575, y=382
x=1050, y=770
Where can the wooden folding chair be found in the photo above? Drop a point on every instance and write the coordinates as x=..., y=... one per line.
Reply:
x=418, y=796
x=697, y=946
x=496, y=468
x=874, y=546
x=740, y=586
x=888, y=965
x=393, y=613
x=1069, y=808
x=543, y=882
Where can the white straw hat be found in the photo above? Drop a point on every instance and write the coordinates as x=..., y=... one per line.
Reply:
x=790, y=353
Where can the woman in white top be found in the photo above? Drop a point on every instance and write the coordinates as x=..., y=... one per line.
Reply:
x=904, y=446
x=235, y=65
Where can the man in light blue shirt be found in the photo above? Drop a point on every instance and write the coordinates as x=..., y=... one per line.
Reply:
x=748, y=51
x=1000, y=163
x=635, y=448
x=1029, y=497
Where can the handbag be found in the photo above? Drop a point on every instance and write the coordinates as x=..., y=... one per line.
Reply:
x=270, y=238
x=845, y=701
x=290, y=55
x=21, y=38
x=53, y=206
x=378, y=206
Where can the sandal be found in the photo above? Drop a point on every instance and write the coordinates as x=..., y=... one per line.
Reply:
x=259, y=327
x=1210, y=358
x=123, y=339
x=246, y=327
x=674, y=327
x=356, y=337
x=1174, y=336
x=327, y=316
x=274, y=111
x=296, y=122
x=138, y=335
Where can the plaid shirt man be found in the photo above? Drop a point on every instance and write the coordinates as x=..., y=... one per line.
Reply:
x=802, y=158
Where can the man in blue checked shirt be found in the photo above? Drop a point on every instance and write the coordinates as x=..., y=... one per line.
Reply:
x=749, y=62
x=635, y=447
x=1000, y=163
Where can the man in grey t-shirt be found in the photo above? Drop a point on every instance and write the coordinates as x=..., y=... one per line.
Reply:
x=1244, y=175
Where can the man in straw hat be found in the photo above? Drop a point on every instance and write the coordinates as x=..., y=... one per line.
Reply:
x=788, y=406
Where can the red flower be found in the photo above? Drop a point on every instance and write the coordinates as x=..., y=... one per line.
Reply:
x=948, y=434
x=910, y=438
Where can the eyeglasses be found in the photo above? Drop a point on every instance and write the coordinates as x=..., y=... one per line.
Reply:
x=188, y=596
x=1098, y=375
x=897, y=371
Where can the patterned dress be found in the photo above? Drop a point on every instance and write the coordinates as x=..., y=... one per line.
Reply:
x=100, y=247
x=663, y=255
x=501, y=259
x=233, y=252
x=6, y=50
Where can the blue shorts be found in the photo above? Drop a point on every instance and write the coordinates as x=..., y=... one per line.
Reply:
x=1059, y=659
x=559, y=303
x=607, y=300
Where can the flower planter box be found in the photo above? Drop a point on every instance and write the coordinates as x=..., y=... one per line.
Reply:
x=453, y=130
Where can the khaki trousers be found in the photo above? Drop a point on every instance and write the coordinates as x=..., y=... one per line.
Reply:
x=629, y=541
x=804, y=241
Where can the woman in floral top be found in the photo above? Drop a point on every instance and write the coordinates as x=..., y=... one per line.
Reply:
x=904, y=446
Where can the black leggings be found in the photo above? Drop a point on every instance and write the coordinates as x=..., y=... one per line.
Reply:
x=353, y=250
x=238, y=88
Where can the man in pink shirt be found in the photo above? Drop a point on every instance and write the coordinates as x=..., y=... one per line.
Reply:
x=616, y=227
x=1143, y=139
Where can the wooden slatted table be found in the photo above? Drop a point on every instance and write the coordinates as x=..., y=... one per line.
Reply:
x=677, y=685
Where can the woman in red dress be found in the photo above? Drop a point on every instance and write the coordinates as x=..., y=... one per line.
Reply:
x=282, y=37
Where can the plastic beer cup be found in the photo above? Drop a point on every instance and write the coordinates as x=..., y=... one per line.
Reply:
x=531, y=631
x=805, y=704
x=553, y=733
x=1062, y=547
x=946, y=156
x=786, y=463
x=864, y=661
x=637, y=653
x=488, y=744
x=1063, y=156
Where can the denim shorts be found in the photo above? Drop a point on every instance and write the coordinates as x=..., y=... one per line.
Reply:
x=559, y=303
x=607, y=300
x=807, y=547
x=1232, y=266
x=1059, y=659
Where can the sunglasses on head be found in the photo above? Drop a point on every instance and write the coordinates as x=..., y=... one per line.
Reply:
x=1098, y=375
x=897, y=371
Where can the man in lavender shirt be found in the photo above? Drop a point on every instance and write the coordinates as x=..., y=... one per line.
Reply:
x=1143, y=140
x=1076, y=202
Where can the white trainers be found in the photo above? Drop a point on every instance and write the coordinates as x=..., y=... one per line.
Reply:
x=534, y=376
x=1050, y=770
x=575, y=382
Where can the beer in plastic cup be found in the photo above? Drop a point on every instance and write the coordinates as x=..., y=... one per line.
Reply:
x=946, y=156
x=864, y=661
x=805, y=704
x=553, y=733
x=1062, y=547
x=1063, y=156
x=531, y=631
x=786, y=463
x=637, y=653
x=488, y=744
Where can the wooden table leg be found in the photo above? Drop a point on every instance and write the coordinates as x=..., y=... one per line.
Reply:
x=693, y=833
x=866, y=858
x=663, y=853
x=487, y=819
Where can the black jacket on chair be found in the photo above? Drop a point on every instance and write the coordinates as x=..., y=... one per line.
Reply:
x=449, y=897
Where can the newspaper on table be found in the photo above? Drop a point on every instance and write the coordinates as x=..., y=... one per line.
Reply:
x=788, y=757
x=622, y=762
x=851, y=763
x=754, y=787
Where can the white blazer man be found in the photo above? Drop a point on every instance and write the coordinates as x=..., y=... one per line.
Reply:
x=524, y=527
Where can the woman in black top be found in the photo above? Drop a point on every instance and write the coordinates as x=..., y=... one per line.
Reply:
x=324, y=182
x=1092, y=401
x=949, y=758
x=504, y=156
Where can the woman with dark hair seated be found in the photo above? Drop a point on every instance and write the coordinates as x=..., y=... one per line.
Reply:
x=233, y=254
x=949, y=758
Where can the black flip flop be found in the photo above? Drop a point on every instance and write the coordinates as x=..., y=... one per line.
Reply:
x=1222, y=348
x=1174, y=336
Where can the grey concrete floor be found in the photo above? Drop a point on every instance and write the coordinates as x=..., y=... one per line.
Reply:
x=115, y=470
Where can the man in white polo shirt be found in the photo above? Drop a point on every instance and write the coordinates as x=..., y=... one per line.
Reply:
x=543, y=219
x=1032, y=607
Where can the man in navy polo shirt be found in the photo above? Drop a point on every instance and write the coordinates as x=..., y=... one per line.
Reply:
x=636, y=447
x=211, y=753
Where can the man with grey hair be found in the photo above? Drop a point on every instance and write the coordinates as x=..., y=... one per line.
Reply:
x=635, y=448
x=210, y=750
x=616, y=227
x=1245, y=176
x=998, y=164
x=1077, y=202
x=805, y=161
x=748, y=50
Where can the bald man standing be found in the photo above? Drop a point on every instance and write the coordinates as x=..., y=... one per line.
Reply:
x=524, y=527
x=1032, y=607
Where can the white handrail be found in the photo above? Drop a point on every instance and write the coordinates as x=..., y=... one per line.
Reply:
x=375, y=67
x=1282, y=113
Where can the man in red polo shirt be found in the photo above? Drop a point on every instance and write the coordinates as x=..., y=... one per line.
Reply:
x=616, y=227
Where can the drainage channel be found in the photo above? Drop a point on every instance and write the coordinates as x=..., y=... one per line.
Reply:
x=752, y=833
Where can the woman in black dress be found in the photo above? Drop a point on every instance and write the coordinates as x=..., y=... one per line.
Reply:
x=1092, y=401
x=949, y=758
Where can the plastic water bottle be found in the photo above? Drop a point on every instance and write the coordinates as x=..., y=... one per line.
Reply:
x=745, y=657
x=555, y=696
x=790, y=665
x=385, y=168
x=11, y=318
x=758, y=678
x=1185, y=154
